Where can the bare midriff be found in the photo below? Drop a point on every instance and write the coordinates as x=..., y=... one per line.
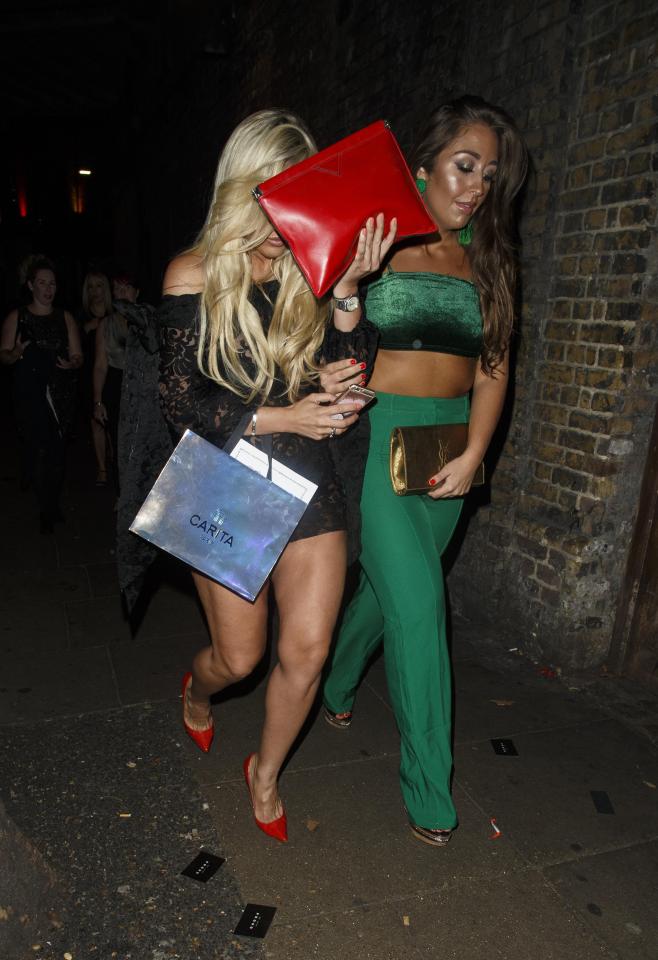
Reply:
x=422, y=374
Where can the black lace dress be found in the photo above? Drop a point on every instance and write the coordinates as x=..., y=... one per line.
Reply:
x=190, y=400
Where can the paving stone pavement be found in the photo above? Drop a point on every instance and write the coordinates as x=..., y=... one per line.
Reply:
x=99, y=777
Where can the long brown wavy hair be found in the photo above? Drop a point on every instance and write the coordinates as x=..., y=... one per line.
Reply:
x=493, y=250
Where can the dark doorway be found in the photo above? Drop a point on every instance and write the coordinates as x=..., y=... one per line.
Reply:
x=634, y=648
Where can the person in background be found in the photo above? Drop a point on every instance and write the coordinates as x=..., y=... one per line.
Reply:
x=96, y=306
x=445, y=309
x=42, y=343
x=125, y=286
x=109, y=360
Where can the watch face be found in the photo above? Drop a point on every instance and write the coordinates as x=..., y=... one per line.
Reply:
x=351, y=303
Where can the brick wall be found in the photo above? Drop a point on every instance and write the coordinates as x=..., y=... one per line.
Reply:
x=552, y=546
x=543, y=552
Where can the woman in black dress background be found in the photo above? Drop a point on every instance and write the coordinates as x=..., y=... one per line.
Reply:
x=42, y=344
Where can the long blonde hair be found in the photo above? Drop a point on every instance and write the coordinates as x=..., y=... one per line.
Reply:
x=107, y=296
x=261, y=146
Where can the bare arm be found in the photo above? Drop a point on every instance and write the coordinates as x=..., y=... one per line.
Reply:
x=11, y=348
x=486, y=406
x=100, y=373
x=371, y=249
x=74, y=350
x=183, y=275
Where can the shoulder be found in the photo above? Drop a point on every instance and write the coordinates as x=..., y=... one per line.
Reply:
x=183, y=275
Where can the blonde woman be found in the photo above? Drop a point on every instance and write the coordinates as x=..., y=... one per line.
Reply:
x=241, y=331
x=96, y=306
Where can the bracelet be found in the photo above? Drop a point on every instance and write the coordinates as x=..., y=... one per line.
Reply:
x=98, y=403
x=254, y=418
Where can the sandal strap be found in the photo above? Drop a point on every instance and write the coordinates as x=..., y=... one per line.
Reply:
x=338, y=719
x=437, y=836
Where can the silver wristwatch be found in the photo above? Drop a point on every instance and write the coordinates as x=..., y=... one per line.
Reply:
x=349, y=304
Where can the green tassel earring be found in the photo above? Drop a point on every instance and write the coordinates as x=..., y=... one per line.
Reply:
x=421, y=184
x=466, y=235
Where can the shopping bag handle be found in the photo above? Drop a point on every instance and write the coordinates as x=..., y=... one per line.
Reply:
x=239, y=434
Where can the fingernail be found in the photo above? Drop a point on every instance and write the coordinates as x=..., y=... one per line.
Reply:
x=352, y=361
x=431, y=482
x=362, y=365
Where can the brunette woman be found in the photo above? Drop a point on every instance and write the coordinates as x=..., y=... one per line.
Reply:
x=242, y=332
x=445, y=309
x=42, y=342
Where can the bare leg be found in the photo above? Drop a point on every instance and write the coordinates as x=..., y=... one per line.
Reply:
x=308, y=583
x=98, y=438
x=238, y=631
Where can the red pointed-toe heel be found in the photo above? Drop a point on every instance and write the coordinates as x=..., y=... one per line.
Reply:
x=275, y=828
x=202, y=738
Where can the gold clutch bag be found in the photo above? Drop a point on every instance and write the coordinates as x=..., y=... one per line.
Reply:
x=417, y=453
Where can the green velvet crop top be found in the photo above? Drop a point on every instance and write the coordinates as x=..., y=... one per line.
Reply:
x=426, y=311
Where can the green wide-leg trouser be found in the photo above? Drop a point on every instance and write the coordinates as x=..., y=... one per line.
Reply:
x=401, y=599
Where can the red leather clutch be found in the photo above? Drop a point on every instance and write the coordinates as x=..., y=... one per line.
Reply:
x=319, y=205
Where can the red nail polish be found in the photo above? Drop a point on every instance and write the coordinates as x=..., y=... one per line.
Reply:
x=352, y=361
x=431, y=482
x=363, y=366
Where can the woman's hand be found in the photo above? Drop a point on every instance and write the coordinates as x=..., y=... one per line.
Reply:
x=100, y=413
x=371, y=249
x=20, y=347
x=73, y=364
x=318, y=417
x=336, y=377
x=455, y=479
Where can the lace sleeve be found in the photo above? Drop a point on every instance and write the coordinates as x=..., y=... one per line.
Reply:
x=190, y=400
x=359, y=343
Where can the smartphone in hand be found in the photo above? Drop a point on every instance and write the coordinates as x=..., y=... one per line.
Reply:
x=356, y=393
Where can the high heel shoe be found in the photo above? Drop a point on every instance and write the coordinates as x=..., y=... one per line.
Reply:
x=202, y=738
x=341, y=721
x=275, y=828
x=435, y=838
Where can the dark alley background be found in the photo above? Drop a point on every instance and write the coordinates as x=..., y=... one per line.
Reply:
x=557, y=553
x=554, y=577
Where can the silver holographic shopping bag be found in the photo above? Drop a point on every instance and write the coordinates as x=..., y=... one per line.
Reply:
x=218, y=516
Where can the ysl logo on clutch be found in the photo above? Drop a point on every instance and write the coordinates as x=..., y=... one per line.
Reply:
x=443, y=453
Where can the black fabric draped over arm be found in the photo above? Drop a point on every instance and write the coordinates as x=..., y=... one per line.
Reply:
x=144, y=443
